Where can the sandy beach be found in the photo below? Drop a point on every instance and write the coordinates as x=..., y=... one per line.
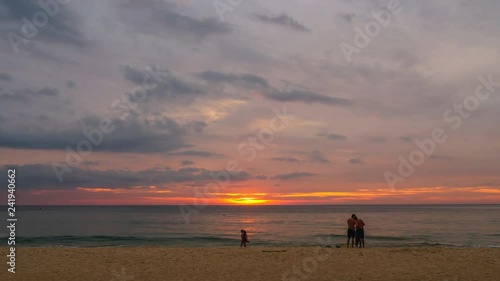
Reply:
x=253, y=263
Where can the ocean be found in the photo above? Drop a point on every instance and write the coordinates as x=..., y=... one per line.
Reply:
x=386, y=225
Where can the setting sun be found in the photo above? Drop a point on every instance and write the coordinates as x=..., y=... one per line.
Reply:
x=247, y=201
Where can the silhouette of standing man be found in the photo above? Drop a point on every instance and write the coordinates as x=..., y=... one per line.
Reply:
x=360, y=232
x=351, y=232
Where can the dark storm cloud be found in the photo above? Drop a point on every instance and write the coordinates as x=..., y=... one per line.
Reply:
x=63, y=27
x=291, y=176
x=356, y=161
x=332, y=136
x=195, y=153
x=282, y=20
x=40, y=176
x=152, y=16
x=285, y=159
x=134, y=135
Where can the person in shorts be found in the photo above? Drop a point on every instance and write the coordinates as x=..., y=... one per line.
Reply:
x=360, y=232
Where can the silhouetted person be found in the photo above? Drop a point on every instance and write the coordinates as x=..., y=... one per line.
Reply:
x=351, y=232
x=360, y=232
x=244, y=238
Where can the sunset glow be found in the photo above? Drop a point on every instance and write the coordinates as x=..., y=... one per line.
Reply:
x=247, y=201
x=162, y=103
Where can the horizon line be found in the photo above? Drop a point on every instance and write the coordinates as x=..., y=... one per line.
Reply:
x=253, y=205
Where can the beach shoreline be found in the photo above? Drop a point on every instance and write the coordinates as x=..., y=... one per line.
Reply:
x=252, y=263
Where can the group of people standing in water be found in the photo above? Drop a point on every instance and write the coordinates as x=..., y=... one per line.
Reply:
x=355, y=230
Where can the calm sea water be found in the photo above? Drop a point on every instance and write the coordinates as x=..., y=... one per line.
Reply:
x=386, y=225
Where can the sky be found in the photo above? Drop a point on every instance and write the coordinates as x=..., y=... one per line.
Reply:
x=250, y=102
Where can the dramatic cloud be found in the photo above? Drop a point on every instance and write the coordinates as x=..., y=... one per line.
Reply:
x=187, y=162
x=170, y=88
x=243, y=80
x=317, y=156
x=70, y=84
x=282, y=20
x=406, y=138
x=334, y=137
x=306, y=97
x=194, y=153
x=200, y=28
x=5, y=77
x=347, y=17
x=131, y=135
x=356, y=161
x=376, y=139
x=198, y=126
x=28, y=95
x=441, y=157
x=222, y=87
x=63, y=27
x=148, y=14
x=285, y=159
x=38, y=176
x=292, y=176
x=261, y=84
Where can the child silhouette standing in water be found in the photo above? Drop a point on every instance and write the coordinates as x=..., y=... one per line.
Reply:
x=244, y=238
